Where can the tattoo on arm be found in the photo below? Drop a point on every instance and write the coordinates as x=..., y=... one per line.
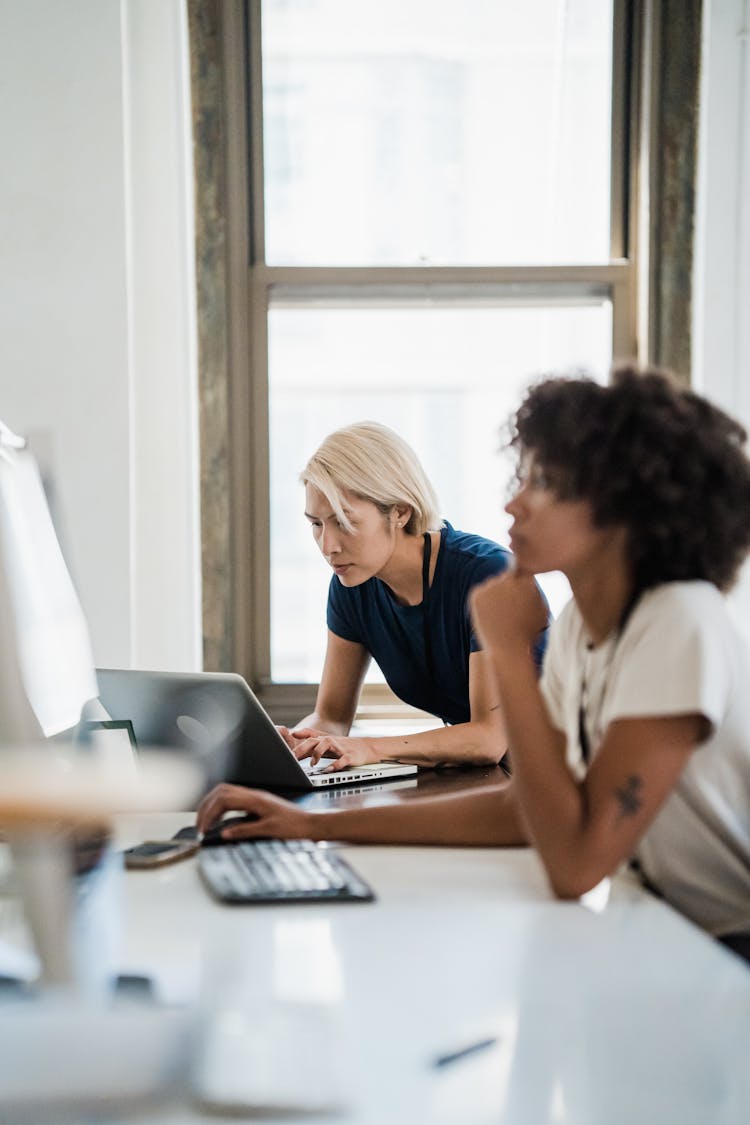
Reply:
x=629, y=797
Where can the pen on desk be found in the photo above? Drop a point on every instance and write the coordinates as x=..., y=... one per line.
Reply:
x=462, y=1052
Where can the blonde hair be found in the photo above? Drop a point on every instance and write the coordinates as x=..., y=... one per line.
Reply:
x=375, y=464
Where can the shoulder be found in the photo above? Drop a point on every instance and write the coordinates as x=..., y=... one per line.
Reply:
x=680, y=653
x=473, y=553
x=686, y=627
x=350, y=610
x=676, y=610
x=336, y=592
x=685, y=595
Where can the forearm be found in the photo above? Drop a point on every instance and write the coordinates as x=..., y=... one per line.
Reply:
x=478, y=818
x=473, y=744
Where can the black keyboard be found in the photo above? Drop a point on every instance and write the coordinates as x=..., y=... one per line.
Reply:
x=279, y=871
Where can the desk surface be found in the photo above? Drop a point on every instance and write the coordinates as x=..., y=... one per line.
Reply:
x=603, y=1014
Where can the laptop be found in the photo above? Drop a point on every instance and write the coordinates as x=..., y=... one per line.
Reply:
x=217, y=718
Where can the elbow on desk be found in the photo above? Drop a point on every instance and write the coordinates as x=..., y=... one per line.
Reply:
x=569, y=885
x=486, y=756
x=487, y=752
x=567, y=892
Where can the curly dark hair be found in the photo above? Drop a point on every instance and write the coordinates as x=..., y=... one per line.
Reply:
x=652, y=456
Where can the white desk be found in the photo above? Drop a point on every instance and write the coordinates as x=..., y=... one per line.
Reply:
x=620, y=1016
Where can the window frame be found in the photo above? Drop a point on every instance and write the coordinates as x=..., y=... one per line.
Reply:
x=250, y=282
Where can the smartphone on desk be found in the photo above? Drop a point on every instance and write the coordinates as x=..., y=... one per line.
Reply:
x=158, y=853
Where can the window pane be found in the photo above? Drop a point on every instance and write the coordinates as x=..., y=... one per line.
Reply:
x=444, y=378
x=412, y=132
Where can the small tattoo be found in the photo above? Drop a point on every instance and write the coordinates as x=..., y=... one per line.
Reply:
x=629, y=797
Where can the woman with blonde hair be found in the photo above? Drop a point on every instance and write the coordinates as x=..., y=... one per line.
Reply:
x=398, y=595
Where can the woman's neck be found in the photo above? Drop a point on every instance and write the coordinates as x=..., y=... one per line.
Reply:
x=403, y=571
x=603, y=593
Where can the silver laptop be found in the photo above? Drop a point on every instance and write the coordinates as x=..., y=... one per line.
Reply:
x=218, y=719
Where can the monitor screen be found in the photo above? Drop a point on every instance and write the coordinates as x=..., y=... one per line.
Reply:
x=46, y=662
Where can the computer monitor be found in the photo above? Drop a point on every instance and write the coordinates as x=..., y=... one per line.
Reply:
x=65, y=867
x=46, y=663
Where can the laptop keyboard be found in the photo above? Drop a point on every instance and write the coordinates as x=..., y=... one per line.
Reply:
x=275, y=871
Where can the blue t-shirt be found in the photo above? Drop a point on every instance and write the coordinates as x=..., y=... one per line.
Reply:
x=369, y=615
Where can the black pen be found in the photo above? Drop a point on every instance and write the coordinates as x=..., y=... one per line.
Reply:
x=462, y=1052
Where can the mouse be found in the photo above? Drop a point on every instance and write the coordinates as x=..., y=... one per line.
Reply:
x=213, y=838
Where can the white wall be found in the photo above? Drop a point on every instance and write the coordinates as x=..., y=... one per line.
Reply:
x=165, y=528
x=722, y=270
x=97, y=352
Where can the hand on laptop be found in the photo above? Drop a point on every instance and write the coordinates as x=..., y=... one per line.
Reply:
x=288, y=736
x=275, y=817
x=343, y=752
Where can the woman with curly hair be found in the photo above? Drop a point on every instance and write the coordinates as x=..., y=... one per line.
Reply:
x=637, y=741
x=635, y=744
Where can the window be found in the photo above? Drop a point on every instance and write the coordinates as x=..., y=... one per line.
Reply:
x=439, y=214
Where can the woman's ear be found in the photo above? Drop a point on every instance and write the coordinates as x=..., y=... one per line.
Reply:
x=402, y=514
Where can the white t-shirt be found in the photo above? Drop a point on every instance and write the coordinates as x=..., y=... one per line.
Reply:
x=678, y=654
